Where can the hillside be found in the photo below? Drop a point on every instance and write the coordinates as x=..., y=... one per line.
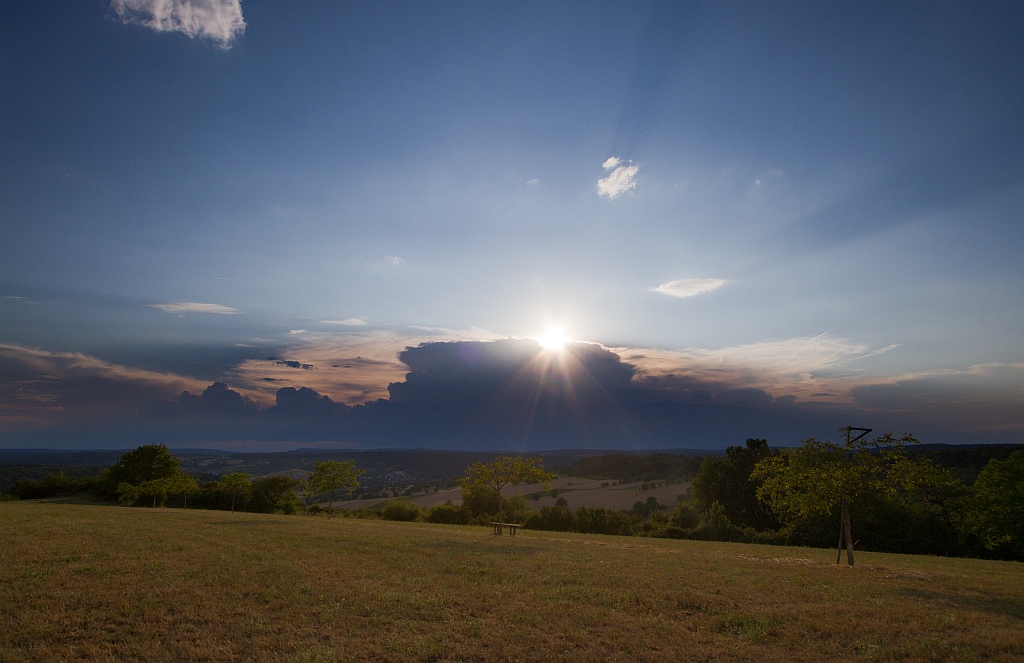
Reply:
x=118, y=583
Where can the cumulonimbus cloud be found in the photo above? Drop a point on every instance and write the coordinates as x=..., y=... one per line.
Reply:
x=621, y=178
x=219, y=21
x=689, y=287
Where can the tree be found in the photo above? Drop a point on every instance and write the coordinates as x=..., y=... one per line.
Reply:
x=727, y=482
x=146, y=463
x=500, y=472
x=330, y=475
x=182, y=484
x=274, y=493
x=819, y=476
x=996, y=512
x=236, y=483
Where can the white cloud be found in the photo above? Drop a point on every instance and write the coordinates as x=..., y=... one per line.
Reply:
x=689, y=287
x=296, y=331
x=217, y=20
x=621, y=179
x=196, y=307
x=394, y=260
x=348, y=322
x=534, y=182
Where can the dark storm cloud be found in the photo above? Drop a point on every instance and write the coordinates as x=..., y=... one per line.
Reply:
x=511, y=394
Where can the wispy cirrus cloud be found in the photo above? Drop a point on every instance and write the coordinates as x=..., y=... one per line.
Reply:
x=621, y=178
x=689, y=287
x=196, y=307
x=347, y=322
x=220, y=21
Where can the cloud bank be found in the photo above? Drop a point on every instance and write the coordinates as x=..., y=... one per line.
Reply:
x=689, y=287
x=621, y=179
x=506, y=394
x=220, y=21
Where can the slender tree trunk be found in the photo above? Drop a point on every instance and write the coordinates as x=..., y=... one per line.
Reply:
x=185, y=496
x=839, y=548
x=847, y=532
x=330, y=506
x=154, y=501
x=232, y=502
x=501, y=512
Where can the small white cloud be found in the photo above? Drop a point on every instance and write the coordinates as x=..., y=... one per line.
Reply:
x=348, y=322
x=296, y=331
x=196, y=307
x=621, y=179
x=534, y=182
x=217, y=20
x=394, y=260
x=689, y=287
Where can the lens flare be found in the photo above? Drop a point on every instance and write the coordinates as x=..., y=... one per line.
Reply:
x=553, y=339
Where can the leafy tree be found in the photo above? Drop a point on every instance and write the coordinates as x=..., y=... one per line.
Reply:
x=481, y=478
x=184, y=485
x=178, y=483
x=819, y=476
x=330, y=475
x=146, y=463
x=238, y=483
x=274, y=493
x=996, y=512
x=727, y=482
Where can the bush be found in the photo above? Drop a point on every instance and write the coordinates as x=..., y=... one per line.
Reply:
x=685, y=516
x=448, y=514
x=401, y=509
x=605, y=521
x=552, y=519
x=52, y=485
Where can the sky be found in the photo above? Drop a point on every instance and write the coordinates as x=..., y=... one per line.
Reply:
x=509, y=225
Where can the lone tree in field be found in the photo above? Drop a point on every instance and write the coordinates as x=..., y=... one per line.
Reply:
x=502, y=471
x=236, y=483
x=330, y=475
x=814, y=479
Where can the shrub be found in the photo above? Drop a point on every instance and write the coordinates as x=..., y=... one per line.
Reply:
x=401, y=509
x=552, y=519
x=448, y=514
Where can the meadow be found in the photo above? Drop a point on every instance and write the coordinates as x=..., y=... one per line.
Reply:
x=94, y=582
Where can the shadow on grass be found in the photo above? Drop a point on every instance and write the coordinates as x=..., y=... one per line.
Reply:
x=1010, y=607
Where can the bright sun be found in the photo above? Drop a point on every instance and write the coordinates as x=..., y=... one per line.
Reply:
x=553, y=339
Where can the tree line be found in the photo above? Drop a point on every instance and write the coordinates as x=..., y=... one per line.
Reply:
x=859, y=493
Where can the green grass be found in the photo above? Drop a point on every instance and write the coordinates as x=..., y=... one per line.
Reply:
x=112, y=583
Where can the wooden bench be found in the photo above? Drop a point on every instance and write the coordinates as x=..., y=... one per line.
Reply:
x=511, y=528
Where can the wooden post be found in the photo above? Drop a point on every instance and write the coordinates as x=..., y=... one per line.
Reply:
x=839, y=549
x=848, y=532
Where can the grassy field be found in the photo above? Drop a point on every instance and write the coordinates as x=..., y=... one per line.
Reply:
x=80, y=582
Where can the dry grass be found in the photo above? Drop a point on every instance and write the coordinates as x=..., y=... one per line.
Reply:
x=111, y=583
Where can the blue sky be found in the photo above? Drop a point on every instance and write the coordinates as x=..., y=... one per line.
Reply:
x=820, y=203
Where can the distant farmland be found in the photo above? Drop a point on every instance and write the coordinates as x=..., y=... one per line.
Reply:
x=577, y=491
x=114, y=583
